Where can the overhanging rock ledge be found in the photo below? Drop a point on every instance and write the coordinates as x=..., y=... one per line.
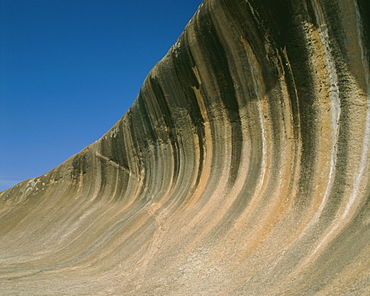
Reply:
x=241, y=169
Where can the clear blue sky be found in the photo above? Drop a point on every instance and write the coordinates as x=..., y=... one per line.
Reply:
x=69, y=69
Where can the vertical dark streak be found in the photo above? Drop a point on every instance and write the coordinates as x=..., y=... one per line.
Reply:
x=170, y=125
x=217, y=61
x=183, y=63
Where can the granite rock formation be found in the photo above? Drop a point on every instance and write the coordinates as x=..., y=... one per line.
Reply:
x=241, y=169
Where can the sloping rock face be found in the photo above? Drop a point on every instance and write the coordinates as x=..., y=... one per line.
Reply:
x=241, y=169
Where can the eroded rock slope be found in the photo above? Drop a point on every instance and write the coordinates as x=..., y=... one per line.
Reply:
x=241, y=169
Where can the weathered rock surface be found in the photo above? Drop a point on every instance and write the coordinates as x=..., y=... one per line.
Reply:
x=241, y=169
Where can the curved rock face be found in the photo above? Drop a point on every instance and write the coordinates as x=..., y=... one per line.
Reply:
x=241, y=169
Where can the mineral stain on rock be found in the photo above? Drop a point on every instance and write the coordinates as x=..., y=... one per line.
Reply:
x=241, y=169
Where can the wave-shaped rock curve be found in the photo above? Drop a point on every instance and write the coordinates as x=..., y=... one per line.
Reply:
x=241, y=169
